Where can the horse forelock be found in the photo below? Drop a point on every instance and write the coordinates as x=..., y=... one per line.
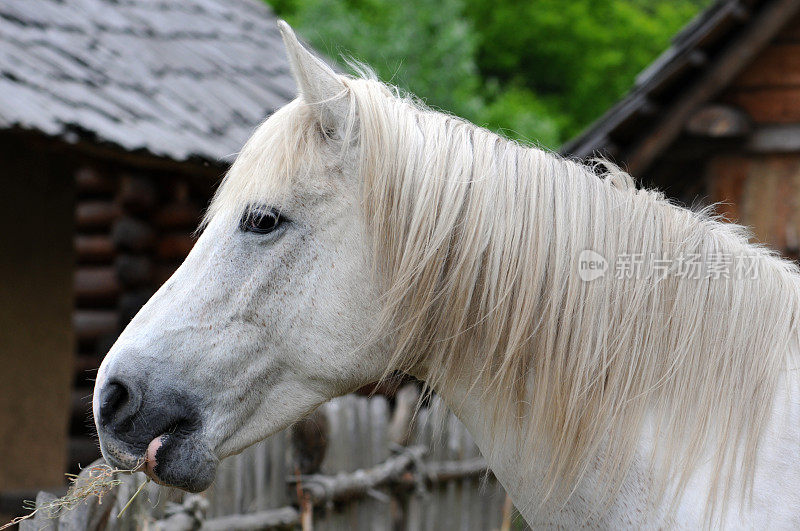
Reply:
x=278, y=153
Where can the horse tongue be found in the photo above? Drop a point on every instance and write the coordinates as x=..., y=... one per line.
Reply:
x=150, y=457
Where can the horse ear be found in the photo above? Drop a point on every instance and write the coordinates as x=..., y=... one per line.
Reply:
x=319, y=85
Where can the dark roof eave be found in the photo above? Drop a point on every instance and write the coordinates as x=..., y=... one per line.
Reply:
x=685, y=54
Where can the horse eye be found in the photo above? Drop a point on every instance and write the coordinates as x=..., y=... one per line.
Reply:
x=261, y=222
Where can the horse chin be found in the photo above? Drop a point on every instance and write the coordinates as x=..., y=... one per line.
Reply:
x=182, y=462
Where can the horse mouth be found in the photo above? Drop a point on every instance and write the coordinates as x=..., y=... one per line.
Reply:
x=147, y=426
x=150, y=459
x=178, y=457
x=175, y=460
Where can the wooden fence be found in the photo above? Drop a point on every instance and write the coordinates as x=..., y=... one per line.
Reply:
x=435, y=479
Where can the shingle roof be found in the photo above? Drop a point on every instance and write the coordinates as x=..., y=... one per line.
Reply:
x=179, y=79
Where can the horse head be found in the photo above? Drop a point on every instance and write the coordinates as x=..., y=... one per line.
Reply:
x=270, y=314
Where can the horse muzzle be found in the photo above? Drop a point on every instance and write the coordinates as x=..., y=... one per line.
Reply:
x=145, y=425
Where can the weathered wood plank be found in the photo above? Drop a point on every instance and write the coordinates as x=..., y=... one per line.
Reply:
x=90, y=181
x=726, y=176
x=284, y=517
x=137, y=193
x=768, y=105
x=175, y=246
x=456, y=498
x=95, y=214
x=183, y=215
x=96, y=283
x=99, y=248
x=90, y=324
x=777, y=66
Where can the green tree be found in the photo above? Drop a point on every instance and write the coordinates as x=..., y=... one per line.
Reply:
x=538, y=70
x=579, y=56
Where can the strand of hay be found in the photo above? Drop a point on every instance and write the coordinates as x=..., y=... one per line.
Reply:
x=97, y=480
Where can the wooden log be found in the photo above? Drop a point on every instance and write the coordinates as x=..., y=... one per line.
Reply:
x=175, y=246
x=648, y=108
x=96, y=283
x=94, y=248
x=698, y=58
x=131, y=234
x=95, y=214
x=769, y=104
x=90, y=324
x=777, y=66
x=324, y=489
x=137, y=193
x=444, y=471
x=719, y=121
x=283, y=517
x=183, y=215
x=133, y=270
x=89, y=181
x=398, y=471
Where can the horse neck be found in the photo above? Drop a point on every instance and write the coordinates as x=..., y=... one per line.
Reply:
x=522, y=484
x=776, y=487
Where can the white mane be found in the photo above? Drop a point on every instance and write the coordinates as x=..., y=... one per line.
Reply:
x=476, y=241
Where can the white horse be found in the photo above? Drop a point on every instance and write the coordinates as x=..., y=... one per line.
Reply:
x=612, y=371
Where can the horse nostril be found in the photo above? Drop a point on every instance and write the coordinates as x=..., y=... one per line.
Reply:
x=118, y=403
x=114, y=396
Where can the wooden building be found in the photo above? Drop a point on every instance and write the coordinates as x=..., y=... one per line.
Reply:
x=716, y=118
x=117, y=119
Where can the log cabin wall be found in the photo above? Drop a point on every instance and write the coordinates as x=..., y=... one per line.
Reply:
x=135, y=121
x=758, y=182
x=133, y=229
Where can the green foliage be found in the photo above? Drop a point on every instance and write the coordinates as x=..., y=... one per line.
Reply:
x=425, y=46
x=538, y=70
x=581, y=55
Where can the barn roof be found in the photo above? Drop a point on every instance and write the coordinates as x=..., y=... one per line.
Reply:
x=182, y=80
x=702, y=60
